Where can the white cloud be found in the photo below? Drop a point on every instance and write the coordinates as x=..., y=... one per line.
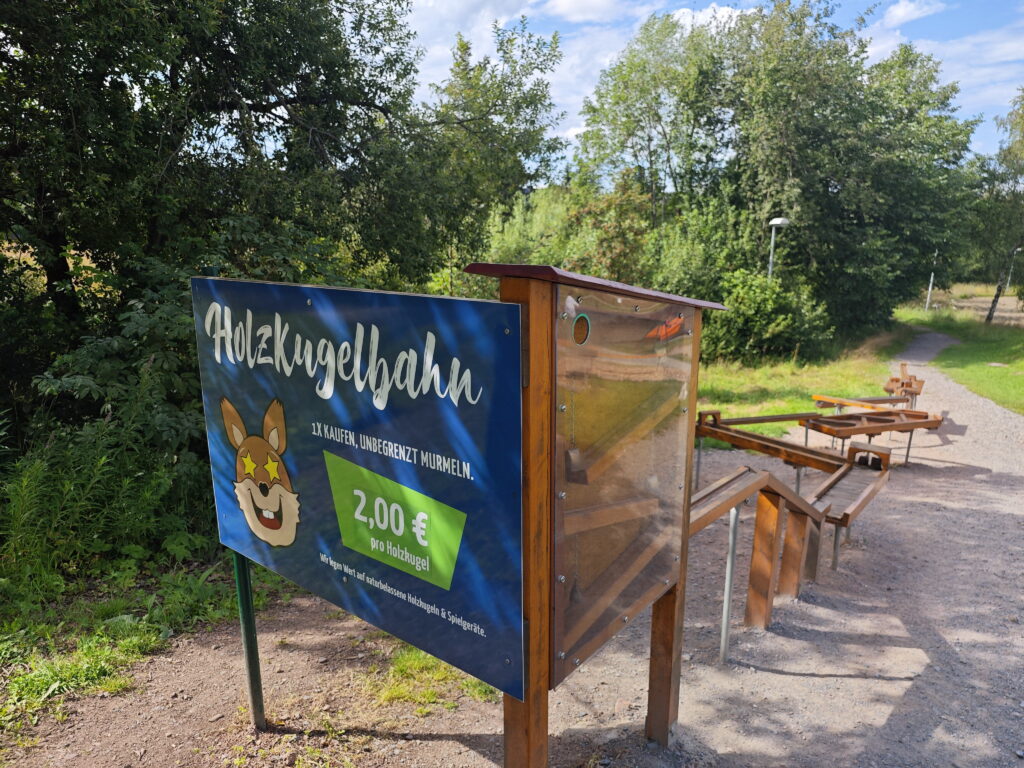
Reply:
x=713, y=15
x=903, y=11
x=988, y=65
x=599, y=11
x=885, y=34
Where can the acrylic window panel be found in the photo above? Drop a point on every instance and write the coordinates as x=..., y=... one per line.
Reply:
x=623, y=368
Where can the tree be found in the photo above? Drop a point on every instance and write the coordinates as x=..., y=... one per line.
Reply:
x=140, y=142
x=999, y=208
x=777, y=112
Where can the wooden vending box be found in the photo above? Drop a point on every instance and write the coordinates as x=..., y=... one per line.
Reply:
x=609, y=396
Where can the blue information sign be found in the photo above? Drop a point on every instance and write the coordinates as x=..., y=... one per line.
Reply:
x=368, y=447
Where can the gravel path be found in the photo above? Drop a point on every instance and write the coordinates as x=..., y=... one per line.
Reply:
x=910, y=655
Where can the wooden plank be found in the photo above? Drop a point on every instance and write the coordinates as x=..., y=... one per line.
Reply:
x=641, y=420
x=813, y=547
x=611, y=627
x=611, y=584
x=830, y=481
x=865, y=496
x=768, y=419
x=667, y=613
x=526, y=722
x=873, y=403
x=827, y=401
x=707, y=490
x=794, y=549
x=793, y=500
x=788, y=452
x=707, y=514
x=580, y=520
x=763, y=560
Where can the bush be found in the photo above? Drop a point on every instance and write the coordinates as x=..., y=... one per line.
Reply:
x=99, y=498
x=766, y=321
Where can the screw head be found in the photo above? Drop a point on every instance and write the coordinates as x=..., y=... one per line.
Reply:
x=565, y=315
x=636, y=307
x=562, y=407
x=508, y=661
x=561, y=579
x=507, y=331
x=625, y=619
x=576, y=662
x=562, y=494
x=561, y=654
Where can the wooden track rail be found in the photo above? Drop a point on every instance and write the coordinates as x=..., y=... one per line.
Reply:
x=779, y=508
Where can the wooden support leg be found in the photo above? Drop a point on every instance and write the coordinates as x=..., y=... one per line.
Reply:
x=794, y=548
x=666, y=656
x=526, y=722
x=835, y=549
x=813, y=547
x=767, y=542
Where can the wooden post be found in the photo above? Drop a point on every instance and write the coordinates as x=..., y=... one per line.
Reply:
x=667, y=613
x=763, y=560
x=794, y=548
x=813, y=550
x=526, y=722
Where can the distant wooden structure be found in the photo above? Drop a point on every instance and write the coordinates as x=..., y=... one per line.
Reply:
x=905, y=385
x=855, y=478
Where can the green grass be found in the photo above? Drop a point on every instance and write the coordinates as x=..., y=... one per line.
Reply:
x=414, y=676
x=84, y=644
x=968, y=363
x=786, y=387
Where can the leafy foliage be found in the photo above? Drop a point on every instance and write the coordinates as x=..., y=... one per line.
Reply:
x=697, y=136
x=766, y=321
x=142, y=143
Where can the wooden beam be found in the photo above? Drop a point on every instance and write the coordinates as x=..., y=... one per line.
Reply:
x=768, y=419
x=526, y=722
x=794, y=549
x=611, y=584
x=813, y=551
x=793, y=454
x=616, y=441
x=667, y=613
x=589, y=518
x=763, y=560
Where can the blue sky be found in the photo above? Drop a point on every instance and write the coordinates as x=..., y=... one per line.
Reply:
x=980, y=43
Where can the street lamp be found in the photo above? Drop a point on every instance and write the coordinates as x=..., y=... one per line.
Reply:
x=777, y=223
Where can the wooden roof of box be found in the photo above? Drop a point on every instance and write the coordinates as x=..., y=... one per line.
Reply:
x=562, y=277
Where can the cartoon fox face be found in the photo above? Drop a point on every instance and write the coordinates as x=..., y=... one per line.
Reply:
x=262, y=485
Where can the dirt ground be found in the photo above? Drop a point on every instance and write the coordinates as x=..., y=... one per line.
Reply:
x=910, y=654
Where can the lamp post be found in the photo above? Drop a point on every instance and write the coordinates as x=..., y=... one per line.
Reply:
x=777, y=223
x=931, y=281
